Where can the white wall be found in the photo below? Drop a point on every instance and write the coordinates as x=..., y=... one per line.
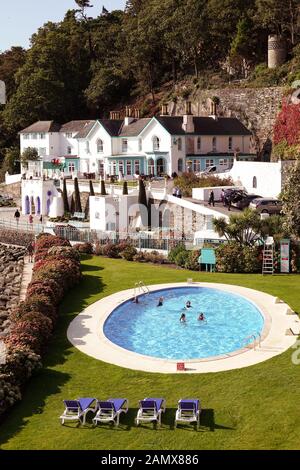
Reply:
x=268, y=176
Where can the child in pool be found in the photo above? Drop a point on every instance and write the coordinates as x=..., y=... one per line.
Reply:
x=201, y=317
x=183, y=318
x=160, y=302
x=188, y=304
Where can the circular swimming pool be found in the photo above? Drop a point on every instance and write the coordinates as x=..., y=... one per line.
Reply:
x=230, y=323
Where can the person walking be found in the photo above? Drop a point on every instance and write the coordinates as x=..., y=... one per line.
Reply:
x=17, y=216
x=30, y=251
x=211, y=199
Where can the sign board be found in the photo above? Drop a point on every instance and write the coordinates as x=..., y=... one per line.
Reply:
x=285, y=256
x=2, y=93
x=180, y=366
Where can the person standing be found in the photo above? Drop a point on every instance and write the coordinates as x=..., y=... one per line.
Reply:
x=178, y=193
x=30, y=251
x=30, y=220
x=17, y=216
x=211, y=199
x=223, y=197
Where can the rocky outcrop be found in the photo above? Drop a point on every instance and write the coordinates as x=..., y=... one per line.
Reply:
x=257, y=108
x=11, y=270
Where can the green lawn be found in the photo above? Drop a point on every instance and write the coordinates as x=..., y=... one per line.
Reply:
x=252, y=408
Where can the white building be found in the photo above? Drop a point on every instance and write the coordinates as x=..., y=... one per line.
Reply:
x=127, y=147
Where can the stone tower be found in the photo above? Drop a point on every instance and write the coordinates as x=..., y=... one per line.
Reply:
x=276, y=51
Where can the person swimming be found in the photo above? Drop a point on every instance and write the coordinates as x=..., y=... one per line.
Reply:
x=182, y=318
x=201, y=317
x=188, y=304
x=135, y=300
x=160, y=302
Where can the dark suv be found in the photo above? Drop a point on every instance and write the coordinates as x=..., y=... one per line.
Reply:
x=267, y=205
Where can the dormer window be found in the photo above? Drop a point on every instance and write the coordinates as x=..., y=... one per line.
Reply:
x=99, y=146
x=156, y=143
x=179, y=143
x=124, y=145
x=69, y=135
x=214, y=144
x=69, y=150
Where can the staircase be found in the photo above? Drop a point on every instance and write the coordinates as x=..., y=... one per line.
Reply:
x=268, y=256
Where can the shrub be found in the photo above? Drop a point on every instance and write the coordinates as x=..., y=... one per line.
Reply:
x=46, y=240
x=154, y=257
x=20, y=364
x=192, y=260
x=129, y=253
x=187, y=181
x=111, y=250
x=182, y=258
x=49, y=288
x=37, y=303
x=98, y=250
x=174, y=252
x=86, y=248
x=63, y=252
x=234, y=258
x=9, y=393
x=32, y=331
x=10, y=237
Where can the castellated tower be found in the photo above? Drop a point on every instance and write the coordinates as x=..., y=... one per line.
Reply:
x=276, y=51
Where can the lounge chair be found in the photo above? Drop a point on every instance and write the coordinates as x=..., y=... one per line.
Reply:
x=150, y=410
x=77, y=409
x=110, y=410
x=188, y=411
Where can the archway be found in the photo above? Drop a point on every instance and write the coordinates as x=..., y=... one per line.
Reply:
x=48, y=206
x=161, y=166
x=27, y=205
x=38, y=205
x=32, y=205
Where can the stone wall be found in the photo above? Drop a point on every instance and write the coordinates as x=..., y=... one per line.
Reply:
x=257, y=108
x=12, y=190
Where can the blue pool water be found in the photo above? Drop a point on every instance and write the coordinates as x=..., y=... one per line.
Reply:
x=156, y=331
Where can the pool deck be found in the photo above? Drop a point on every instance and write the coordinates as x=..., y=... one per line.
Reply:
x=85, y=332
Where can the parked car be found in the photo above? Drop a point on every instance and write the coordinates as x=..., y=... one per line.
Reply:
x=266, y=205
x=209, y=170
x=241, y=201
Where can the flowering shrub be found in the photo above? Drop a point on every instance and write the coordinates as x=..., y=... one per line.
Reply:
x=57, y=269
x=129, y=253
x=111, y=250
x=86, y=248
x=10, y=237
x=234, y=258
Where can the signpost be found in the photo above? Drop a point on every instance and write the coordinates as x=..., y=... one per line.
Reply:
x=285, y=256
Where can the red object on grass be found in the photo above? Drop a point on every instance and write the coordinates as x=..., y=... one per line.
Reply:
x=180, y=366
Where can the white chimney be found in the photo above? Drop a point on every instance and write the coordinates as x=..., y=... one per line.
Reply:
x=128, y=116
x=188, y=120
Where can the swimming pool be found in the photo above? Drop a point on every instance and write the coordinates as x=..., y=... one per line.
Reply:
x=155, y=331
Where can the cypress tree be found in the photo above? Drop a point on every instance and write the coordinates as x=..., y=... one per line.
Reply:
x=102, y=188
x=72, y=208
x=77, y=201
x=65, y=197
x=125, y=188
x=142, y=201
x=87, y=206
x=92, y=192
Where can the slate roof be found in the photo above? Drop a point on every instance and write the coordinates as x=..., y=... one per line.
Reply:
x=204, y=125
x=42, y=126
x=81, y=127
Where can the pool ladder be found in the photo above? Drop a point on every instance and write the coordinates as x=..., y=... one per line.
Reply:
x=140, y=288
x=256, y=340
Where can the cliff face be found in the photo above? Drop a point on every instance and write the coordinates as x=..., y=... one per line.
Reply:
x=257, y=108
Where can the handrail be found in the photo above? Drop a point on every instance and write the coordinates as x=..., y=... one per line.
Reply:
x=256, y=337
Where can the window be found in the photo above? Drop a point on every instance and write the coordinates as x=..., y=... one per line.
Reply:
x=71, y=167
x=199, y=143
x=121, y=167
x=254, y=182
x=69, y=150
x=34, y=136
x=42, y=151
x=180, y=164
x=136, y=167
x=214, y=144
x=113, y=167
x=124, y=145
x=42, y=135
x=223, y=161
x=87, y=146
x=26, y=136
x=179, y=143
x=99, y=146
x=140, y=145
x=230, y=143
x=68, y=135
x=196, y=166
x=128, y=167
x=209, y=162
x=156, y=143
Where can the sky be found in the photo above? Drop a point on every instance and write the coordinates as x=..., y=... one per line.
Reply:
x=19, y=19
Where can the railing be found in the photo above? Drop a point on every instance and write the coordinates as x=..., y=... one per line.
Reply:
x=140, y=287
x=256, y=340
x=10, y=224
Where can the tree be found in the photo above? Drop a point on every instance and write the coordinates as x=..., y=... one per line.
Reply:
x=10, y=62
x=87, y=206
x=29, y=154
x=247, y=228
x=92, y=192
x=125, y=188
x=279, y=16
x=77, y=201
x=290, y=197
x=287, y=125
x=142, y=201
x=65, y=197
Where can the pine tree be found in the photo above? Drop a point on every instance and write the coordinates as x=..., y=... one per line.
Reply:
x=102, y=188
x=77, y=201
x=65, y=197
x=125, y=188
